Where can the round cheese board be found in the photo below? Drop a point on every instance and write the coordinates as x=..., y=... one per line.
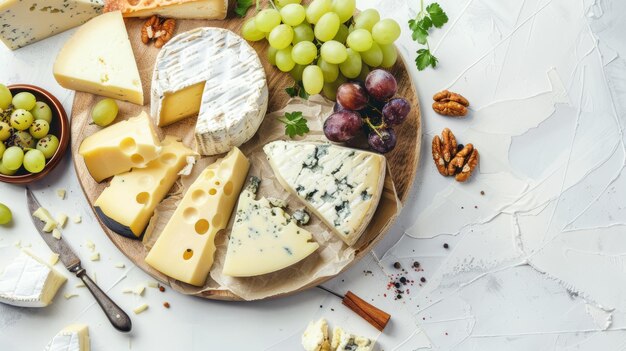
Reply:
x=402, y=162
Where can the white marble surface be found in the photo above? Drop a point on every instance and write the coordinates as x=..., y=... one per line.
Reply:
x=537, y=263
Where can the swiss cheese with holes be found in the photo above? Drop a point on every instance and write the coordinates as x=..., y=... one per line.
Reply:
x=118, y=148
x=185, y=247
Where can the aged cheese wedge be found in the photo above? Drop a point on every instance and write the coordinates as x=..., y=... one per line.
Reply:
x=315, y=336
x=217, y=75
x=98, y=59
x=127, y=204
x=118, y=148
x=23, y=22
x=264, y=239
x=341, y=186
x=29, y=281
x=184, y=9
x=74, y=337
x=185, y=247
x=346, y=341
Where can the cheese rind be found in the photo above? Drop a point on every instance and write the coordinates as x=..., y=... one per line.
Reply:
x=264, y=239
x=341, y=186
x=346, y=341
x=216, y=74
x=23, y=22
x=29, y=281
x=128, y=203
x=99, y=59
x=185, y=247
x=183, y=9
x=118, y=148
x=315, y=336
x=74, y=337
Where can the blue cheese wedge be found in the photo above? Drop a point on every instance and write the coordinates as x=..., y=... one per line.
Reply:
x=315, y=337
x=343, y=341
x=264, y=238
x=342, y=186
x=74, y=337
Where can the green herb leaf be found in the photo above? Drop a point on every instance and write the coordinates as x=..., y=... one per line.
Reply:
x=425, y=59
x=420, y=35
x=295, y=124
x=297, y=90
x=438, y=16
x=292, y=91
x=242, y=7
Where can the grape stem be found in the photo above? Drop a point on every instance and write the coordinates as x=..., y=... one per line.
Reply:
x=373, y=127
x=374, y=107
x=274, y=6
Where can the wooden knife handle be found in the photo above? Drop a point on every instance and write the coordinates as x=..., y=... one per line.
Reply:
x=373, y=315
x=114, y=313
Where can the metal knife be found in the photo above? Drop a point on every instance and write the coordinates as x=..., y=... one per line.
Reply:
x=114, y=313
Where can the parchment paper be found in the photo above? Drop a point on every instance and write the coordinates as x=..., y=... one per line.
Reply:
x=331, y=258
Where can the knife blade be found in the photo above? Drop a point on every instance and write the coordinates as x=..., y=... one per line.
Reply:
x=118, y=318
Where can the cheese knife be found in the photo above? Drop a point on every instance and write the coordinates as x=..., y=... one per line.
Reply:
x=118, y=318
x=374, y=316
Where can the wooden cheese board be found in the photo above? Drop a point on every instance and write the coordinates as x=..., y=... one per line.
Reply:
x=403, y=160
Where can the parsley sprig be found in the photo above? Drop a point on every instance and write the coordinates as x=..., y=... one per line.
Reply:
x=297, y=90
x=243, y=5
x=295, y=124
x=431, y=16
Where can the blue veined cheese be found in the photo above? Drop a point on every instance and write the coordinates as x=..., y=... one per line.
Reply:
x=343, y=341
x=342, y=186
x=74, y=337
x=217, y=75
x=24, y=22
x=315, y=336
x=264, y=238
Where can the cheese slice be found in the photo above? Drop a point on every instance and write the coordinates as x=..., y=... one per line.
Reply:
x=341, y=186
x=185, y=247
x=74, y=337
x=98, y=59
x=29, y=281
x=183, y=9
x=345, y=341
x=118, y=148
x=217, y=75
x=23, y=22
x=315, y=336
x=127, y=204
x=264, y=239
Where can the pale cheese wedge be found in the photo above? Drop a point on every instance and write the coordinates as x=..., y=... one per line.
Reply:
x=183, y=9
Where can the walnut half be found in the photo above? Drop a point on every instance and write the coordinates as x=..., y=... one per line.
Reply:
x=160, y=31
x=448, y=103
x=452, y=159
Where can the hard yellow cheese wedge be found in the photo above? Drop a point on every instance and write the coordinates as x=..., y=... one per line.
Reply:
x=184, y=9
x=185, y=248
x=118, y=148
x=128, y=203
x=98, y=59
x=264, y=239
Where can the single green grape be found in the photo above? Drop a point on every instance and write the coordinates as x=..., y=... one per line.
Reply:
x=42, y=111
x=39, y=128
x=24, y=140
x=34, y=161
x=344, y=8
x=5, y=214
x=5, y=131
x=21, y=119
x=271, y=55
x=104, y=112
x=352, y=66
x=250, y=32
x=329, y=70
x=316, y=9
x=366, y=19
x=342, y=34
x=2, y=149
x=267, y=19
x=296, y=72
x=284, y=62
x=386, y=31
x=281, y=36
x=12, y=158
x=304, y=53
x=5, y=171
x=333, y=52
x=302, y=32
x=5, y=97
x=48, y=145
x=327, y=26
x=24, y=100
x=360, y=40
x=283, y=3
x=373, y=57
x=390, y=55
x=313, y=79
x=293, y=14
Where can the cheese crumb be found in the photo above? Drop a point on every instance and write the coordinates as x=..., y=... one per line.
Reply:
x=140, y=309
x=62, y=219
x=68, y=296
x=79, y=285
x=54, y=258
x=18, y=244
x=127, y=291
x=90, y=245
x=61, y=193
x=153, y=284
x=139, y=289
x=56, y=234
x=120, y=265
x=95, y=256
x=77, y=219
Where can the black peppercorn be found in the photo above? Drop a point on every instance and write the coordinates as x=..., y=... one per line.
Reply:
x=397, y=265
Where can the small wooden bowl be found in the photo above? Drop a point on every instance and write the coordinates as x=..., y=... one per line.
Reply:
x=59, y=127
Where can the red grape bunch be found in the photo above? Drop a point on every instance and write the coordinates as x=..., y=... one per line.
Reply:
x=369, y=107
